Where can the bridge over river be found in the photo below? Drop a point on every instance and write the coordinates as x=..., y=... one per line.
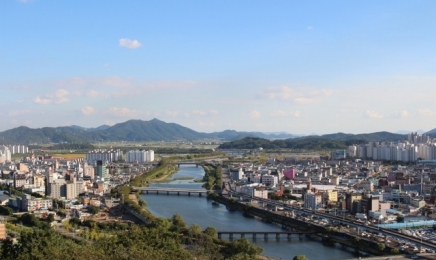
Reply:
x=169, y=191
x=187, y=163
x=265, y=234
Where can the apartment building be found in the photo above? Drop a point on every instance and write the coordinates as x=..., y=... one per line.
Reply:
x=104, y=155
x=140, y=156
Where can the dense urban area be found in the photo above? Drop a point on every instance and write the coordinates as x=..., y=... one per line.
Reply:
x=380, y=196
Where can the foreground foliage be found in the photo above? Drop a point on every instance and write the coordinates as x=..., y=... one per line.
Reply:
x=161, y=239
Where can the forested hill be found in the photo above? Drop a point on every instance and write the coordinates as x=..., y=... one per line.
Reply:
x=307, y=143
x=132, y=130
x=156, y=130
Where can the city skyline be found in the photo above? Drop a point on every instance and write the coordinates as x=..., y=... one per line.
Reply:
x=302, y=68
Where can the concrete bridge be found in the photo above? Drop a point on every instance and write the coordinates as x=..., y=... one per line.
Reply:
x=169, y=191
x=187, y=163
x=265, y=234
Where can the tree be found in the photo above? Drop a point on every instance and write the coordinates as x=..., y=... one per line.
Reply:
x=194, y=230
x=29, y=220
x=211, y=231
x=243, y=246
x=94, y=210
x=142, y=202
x=50, y=218
x=300, y=257
x=75, y=222
x=4, y=210
x=178, y=223
x=381, y=246
x=395, y=251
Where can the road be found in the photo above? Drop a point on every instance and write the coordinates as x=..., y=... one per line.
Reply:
x=344, y=221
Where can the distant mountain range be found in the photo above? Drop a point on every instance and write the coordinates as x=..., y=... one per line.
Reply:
x=157, y=130
x=324, y=142
x=132, y=130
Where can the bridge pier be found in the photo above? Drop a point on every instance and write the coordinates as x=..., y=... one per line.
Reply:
x=189, y=193
x=242, y=235
x=254, y=235
x=168, y=193
x=277, y=236
x=300, y=236
x=231, y=236
x=219, y=235
x=199, y=194
x=146, y=192
x=178, y=193
x=265, y=236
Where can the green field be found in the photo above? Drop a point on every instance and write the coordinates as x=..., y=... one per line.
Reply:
x=69, y=155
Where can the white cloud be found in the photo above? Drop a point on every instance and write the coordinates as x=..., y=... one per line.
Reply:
x=131, y=44
x=120, y=86
x=88, y=110
x=59, y=97
x=281, y=113
x=122, y=112
x=278, y=113
x=19, y=112
x=309, y=27
x=372, y=114
x=254, y=114
x=93, y=94
x=404, y=113
x=297, y=95
x=213, y=112
x=42, y=101
x=21, y=87
x=199, y=112
x=426, y=112
x=206, y=124
x=173, y=113
x=296, y=113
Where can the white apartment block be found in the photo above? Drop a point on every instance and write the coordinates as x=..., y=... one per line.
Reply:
x=18, y=149
x=417, y=146
x=5, y=154
x=104, y=155
x=400, y=151
x=140, y=156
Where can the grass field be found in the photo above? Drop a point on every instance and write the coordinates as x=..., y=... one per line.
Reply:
x=69, y=155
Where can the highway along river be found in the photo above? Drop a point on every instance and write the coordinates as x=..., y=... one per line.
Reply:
x=199, y=210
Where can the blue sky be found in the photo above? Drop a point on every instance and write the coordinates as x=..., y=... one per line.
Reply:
x=300, y=67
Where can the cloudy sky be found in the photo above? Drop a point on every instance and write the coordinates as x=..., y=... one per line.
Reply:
x=296, y=66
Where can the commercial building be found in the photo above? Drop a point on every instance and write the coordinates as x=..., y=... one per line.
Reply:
x=312, y=200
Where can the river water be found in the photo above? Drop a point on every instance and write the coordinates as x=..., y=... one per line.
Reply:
x=198, y=210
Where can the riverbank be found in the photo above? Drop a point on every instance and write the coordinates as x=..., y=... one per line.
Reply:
x=160, y=173
x=328, y=236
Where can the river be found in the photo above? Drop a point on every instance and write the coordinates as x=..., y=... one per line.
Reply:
x=198, y=210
